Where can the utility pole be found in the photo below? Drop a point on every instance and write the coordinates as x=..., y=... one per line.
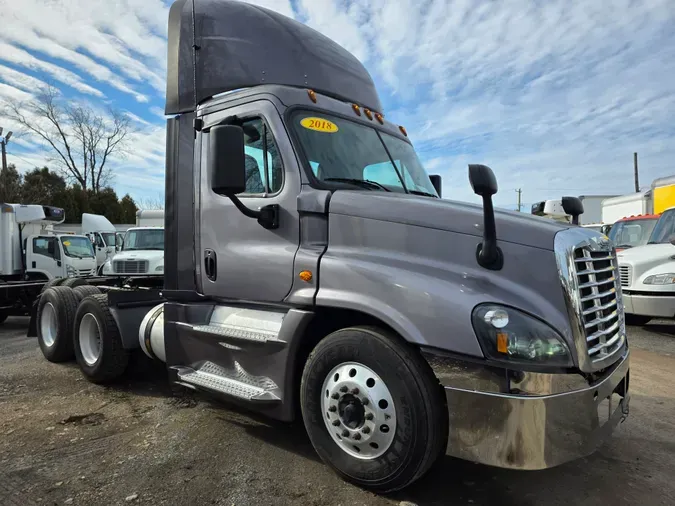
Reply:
x=519, y=191
x=4, y=141
x=635, y=168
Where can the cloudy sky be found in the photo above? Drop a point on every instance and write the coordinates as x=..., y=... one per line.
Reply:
x=554, y=95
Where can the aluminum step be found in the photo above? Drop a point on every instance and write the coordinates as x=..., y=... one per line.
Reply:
x=238, y=337
x=235, y=383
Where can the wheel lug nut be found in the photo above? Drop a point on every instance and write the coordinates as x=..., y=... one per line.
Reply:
x=366, y=430
x=335, y=396
x=332, y=409
x=355, y=391
x=357, y=436
x=345, y=433
x=369, y=416
x=344, y=389
x=365, y=401
x=336, y=422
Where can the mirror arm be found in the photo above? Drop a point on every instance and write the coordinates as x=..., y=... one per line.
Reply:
x=267, y=216
x=488, y=254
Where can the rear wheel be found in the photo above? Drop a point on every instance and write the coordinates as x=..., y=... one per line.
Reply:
x=373, y=409
x=85, y=290
x=97, y=341
x=52, y=283
x=637, y=319
x=73, y=282
x=55, y=315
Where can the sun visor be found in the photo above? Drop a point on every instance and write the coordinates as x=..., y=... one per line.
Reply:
x=222, y=45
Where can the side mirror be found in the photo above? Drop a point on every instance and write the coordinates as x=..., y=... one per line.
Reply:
x=226, y=160
x=437, y=183
x=484, y=183
x=574, y=207
x=227, y=167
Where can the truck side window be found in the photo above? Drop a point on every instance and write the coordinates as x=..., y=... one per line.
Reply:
x=99, y=241
x=46, y=246
x=264, y=172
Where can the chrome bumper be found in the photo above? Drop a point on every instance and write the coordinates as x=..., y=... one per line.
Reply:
x=532, y=432
x=649, y=305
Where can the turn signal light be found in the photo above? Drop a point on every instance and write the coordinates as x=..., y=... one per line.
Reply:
x=306, y=276
x=357, y=109
x=403, y=131
x=379, y=118
x=312, y=95
x=369, y=114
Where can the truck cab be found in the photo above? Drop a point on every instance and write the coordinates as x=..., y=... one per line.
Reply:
x=142, y=254
x=102, y=234
x=647, y=273
x=311, y=269
x=60, y=256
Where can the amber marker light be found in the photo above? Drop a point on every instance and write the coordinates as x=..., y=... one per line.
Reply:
x=306, y=276
x=403, y=130
x=312, y=95
x=369, y=114
x=379, y=118
x=357, y=109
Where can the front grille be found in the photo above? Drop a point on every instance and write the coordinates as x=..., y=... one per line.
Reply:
x=600, y=308
x=130, y=266
x=84, y=272
x=625, y=275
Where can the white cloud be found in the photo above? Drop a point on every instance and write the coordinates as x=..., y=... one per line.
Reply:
x=555, y=95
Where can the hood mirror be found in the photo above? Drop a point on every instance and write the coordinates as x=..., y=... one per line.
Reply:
x=484, y=183
x=574, y=207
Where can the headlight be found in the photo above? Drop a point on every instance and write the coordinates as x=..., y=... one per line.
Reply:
x=509, y=335
x=70, y=271
x=159, y=268
x=660, y=279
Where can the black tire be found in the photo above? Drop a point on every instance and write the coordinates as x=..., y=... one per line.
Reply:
x=637, y=320
x=421, y=413
x=112, y=358
x=52, y=283
x=83, y=291
x=73, y=282
x=55, y=340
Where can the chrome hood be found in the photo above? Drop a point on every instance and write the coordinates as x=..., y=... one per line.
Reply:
x=459, y=217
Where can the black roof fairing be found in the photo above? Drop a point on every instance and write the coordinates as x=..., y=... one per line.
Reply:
x=222, y=45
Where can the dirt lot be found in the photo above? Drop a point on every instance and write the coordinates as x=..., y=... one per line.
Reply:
x=66, y=441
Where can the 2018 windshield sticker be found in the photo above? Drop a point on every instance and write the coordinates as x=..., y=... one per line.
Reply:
x=319, y=125
x=66, y=243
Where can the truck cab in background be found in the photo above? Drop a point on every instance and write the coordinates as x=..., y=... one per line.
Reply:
x=102, y=234
x=142, y=254
x=647, y=272
x=632, y=231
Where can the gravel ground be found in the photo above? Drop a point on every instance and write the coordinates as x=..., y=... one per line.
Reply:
x=66, y=441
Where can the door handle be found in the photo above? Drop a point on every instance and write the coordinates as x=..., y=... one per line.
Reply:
x=210, y=264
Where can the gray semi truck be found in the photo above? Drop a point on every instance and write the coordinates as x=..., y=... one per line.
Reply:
x=311, y=270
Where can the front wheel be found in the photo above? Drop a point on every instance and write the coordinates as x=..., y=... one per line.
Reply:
x=373, y=408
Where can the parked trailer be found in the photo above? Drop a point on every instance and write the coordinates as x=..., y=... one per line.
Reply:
x=312, y=268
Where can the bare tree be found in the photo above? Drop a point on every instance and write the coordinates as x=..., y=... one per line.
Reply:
x=151, y=203
x=81, y=139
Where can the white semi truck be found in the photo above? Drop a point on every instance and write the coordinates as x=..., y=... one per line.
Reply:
x=32, y=255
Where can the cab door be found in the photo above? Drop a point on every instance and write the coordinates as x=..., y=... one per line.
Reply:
x=237, y=257
x=44, y=255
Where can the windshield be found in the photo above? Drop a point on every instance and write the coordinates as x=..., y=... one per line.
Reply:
x=77, y=247
x=109, y=238
x=341, y=151
x=627, y=234
x=144, y=239
x=664, y=230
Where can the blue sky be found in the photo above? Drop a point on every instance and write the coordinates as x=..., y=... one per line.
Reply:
x=554, y=95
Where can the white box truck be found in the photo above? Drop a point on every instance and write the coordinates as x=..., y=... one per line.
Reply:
x=592, y=209
x=624, y=206
x=33, y=255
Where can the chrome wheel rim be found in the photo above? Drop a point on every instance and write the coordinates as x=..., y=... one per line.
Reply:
x=48, y=327
x=358, y=410
x=90, y=339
